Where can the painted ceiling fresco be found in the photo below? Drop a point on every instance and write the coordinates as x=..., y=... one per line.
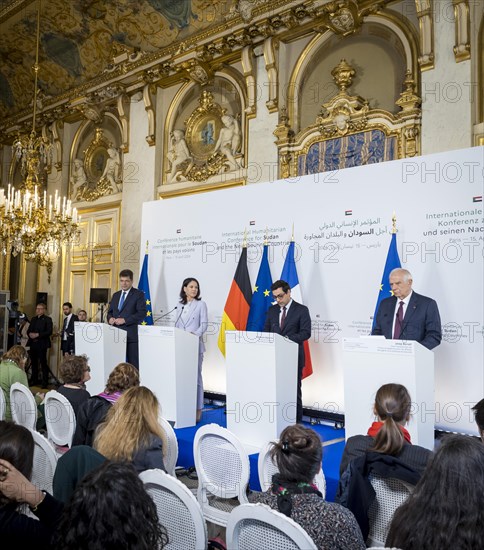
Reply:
x=78, y=36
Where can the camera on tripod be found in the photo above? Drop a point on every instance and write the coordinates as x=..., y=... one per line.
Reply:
x=15, y=318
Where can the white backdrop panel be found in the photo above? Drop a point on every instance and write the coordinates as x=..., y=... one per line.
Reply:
x=342, y=225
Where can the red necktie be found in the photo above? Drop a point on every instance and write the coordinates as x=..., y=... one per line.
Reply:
x=398, y=322
x=283, y=318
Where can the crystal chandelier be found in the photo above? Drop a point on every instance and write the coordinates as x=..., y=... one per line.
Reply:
x=31, y=223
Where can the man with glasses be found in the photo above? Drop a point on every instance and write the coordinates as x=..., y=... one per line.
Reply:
x=290, y=319
x=39, y=333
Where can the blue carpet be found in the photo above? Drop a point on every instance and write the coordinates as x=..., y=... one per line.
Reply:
x=331, y=453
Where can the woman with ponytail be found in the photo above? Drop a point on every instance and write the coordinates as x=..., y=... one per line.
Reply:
x=387, y=435
x=298, y=455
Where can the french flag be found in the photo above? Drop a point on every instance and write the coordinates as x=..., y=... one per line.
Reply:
x=289, y=274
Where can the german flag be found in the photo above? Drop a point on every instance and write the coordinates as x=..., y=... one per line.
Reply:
x=236, y=310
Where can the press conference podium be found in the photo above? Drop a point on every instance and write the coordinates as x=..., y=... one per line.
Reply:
x=261, y=385
x=168, y=365
x=370, y=362
x=105, y=345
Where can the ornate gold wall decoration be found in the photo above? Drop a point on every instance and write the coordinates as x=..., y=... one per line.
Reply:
x=99, y=174
x=426, y=29
x=271, y=68
x=462, y=47
x=345, y=116
x=341, y=16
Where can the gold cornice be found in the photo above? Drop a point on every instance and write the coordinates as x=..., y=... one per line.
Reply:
x=12, y=8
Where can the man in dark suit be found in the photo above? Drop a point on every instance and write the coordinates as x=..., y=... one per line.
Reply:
x=67, y=332
x=290, y=319
x=408, y=315
x=126, y=311
x=39, y=333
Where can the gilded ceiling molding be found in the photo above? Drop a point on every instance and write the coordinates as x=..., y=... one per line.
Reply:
x=462, y=47
x=122, y=104
x=150, y=111
x=426, y=30
x=248, y=68
x=270, y=46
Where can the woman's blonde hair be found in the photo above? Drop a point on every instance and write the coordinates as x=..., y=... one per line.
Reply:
x=130, y=425
x=16, y=354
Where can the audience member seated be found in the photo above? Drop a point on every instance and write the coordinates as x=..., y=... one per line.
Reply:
x=74, y=371
x=72, y=467
x=131, y=431
x=93, y=411
x=388, y=435
x=478, y=409
x=445, y=511
x=12, y=369
x=298, y=457
x=16, y=459
x=110, y=510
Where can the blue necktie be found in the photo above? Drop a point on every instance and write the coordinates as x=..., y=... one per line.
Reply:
x=121, y=302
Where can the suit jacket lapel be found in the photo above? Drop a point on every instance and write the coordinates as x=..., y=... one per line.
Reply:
x=412, y=306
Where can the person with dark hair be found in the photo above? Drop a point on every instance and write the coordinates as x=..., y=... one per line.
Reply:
x=478, y=409
x=194, y=318
x=290, y=319
x=110, y=510
x=93, y=411
x=67, y=333
x=16, y=461
x=407, y=315
x=388, y=435
x=131, y=431
x=126, y=311
x=75, y=372
x=298, y=455
x=445, y=510
x=39, y=332
x=12, y=369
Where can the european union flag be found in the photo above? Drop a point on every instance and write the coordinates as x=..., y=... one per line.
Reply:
x=262, y=296
x=144, y=285
x=393, y=261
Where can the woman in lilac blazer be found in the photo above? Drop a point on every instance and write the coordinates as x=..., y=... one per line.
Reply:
x=193, y=318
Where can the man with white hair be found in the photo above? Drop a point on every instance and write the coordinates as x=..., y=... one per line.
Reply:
x=407, y=315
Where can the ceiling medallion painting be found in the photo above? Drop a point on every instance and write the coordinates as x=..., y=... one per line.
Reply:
x=209, y=146
x=79, y=37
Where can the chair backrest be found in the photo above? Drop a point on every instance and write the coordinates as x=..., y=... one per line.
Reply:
x=59, y=418
x=267, y=468
x=222, y=466
x=45, y=462
x=171, y=457
x=390, y=494
x=23, y=406
x=259, y=526
x=178, y=510
x=3, y=405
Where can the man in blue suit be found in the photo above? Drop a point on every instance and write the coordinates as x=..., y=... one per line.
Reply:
x=290, y=319
x=126, y=311
x=408, y=315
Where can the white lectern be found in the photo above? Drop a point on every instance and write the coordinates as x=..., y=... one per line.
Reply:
x=168, y=365
x=105, y=345
x=261, y=385
x=371, y=362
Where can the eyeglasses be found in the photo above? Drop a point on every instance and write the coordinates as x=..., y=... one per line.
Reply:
x=88, y=369
x=279, y=296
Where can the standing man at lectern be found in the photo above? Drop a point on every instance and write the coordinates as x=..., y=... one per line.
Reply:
x=126, y=311
x=407, y=315
x=290, y=319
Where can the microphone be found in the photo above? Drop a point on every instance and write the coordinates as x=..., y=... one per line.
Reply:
x=164, y=315
x=182, y=308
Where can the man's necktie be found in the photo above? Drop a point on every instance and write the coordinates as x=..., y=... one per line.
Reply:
x=121, y=302
x=398, y=322
x=283, y=318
